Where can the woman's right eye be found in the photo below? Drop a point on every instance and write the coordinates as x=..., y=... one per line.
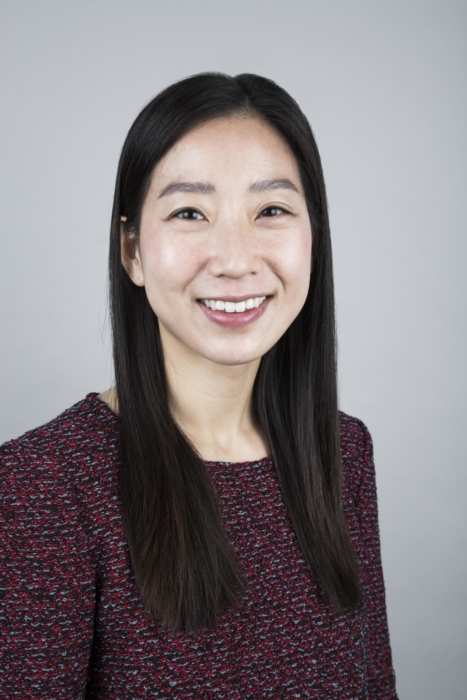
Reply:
x=188, y=213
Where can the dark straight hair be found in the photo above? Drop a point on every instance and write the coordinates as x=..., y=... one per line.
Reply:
x=185, y=568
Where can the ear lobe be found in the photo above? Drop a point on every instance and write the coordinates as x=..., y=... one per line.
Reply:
x=130, y=256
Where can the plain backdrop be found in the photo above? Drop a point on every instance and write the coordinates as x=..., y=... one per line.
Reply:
x=384, y=85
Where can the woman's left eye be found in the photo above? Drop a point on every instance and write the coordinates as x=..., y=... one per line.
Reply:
x=273, y=211
x=188, y=213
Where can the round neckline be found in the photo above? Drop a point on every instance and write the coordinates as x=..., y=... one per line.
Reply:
x=105, y=408
x=248, y=463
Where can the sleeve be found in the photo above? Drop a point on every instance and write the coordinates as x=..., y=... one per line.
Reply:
x=47, y=587
x=380, y=673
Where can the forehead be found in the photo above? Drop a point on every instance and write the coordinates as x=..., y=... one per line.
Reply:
x=240, y=148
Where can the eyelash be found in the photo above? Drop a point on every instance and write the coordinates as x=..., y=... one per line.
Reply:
x=186, y=210
x=272, y=206
x=190, y=210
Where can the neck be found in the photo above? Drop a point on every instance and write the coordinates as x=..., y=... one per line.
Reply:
x=212, y=404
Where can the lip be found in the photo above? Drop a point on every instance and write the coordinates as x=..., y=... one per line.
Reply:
x=237, y=299
x=235, y=320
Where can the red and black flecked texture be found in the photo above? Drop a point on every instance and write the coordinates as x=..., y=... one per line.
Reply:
x=72, y=622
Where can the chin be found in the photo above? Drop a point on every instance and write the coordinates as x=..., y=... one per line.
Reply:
x=230, y=357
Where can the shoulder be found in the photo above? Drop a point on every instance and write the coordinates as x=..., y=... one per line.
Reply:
x=355, y=437
x=357, y=454
x=77, y=447
x=57, y=494
x=78, y=433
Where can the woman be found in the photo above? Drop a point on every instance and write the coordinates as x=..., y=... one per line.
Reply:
x=208, y=527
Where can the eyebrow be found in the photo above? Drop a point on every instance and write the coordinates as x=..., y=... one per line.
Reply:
x=207, y=188
x=280, y=184
x=192, y=187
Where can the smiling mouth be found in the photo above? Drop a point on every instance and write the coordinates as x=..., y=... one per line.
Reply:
x=232, y=307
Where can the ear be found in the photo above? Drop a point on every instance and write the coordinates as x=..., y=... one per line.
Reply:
x=130, y=257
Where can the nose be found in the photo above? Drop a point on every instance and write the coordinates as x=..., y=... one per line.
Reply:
x=234, y=250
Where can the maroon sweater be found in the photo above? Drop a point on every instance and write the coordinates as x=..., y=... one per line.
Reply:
x=71, y=617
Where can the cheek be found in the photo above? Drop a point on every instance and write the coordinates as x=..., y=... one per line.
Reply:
x=168, y=264
x=295, y=265
x=305, y=247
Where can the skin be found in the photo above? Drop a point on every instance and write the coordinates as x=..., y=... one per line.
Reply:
x=227, y=243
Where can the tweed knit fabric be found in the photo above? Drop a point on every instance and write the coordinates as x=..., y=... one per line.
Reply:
x=72, y=622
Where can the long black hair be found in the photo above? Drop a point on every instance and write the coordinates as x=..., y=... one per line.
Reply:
x=184, y=565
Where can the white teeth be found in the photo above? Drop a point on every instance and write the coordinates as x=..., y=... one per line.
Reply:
x=231, y=307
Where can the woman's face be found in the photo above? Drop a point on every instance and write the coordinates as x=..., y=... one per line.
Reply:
x=224, y=249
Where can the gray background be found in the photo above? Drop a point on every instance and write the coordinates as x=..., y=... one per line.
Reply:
x=384, y=86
